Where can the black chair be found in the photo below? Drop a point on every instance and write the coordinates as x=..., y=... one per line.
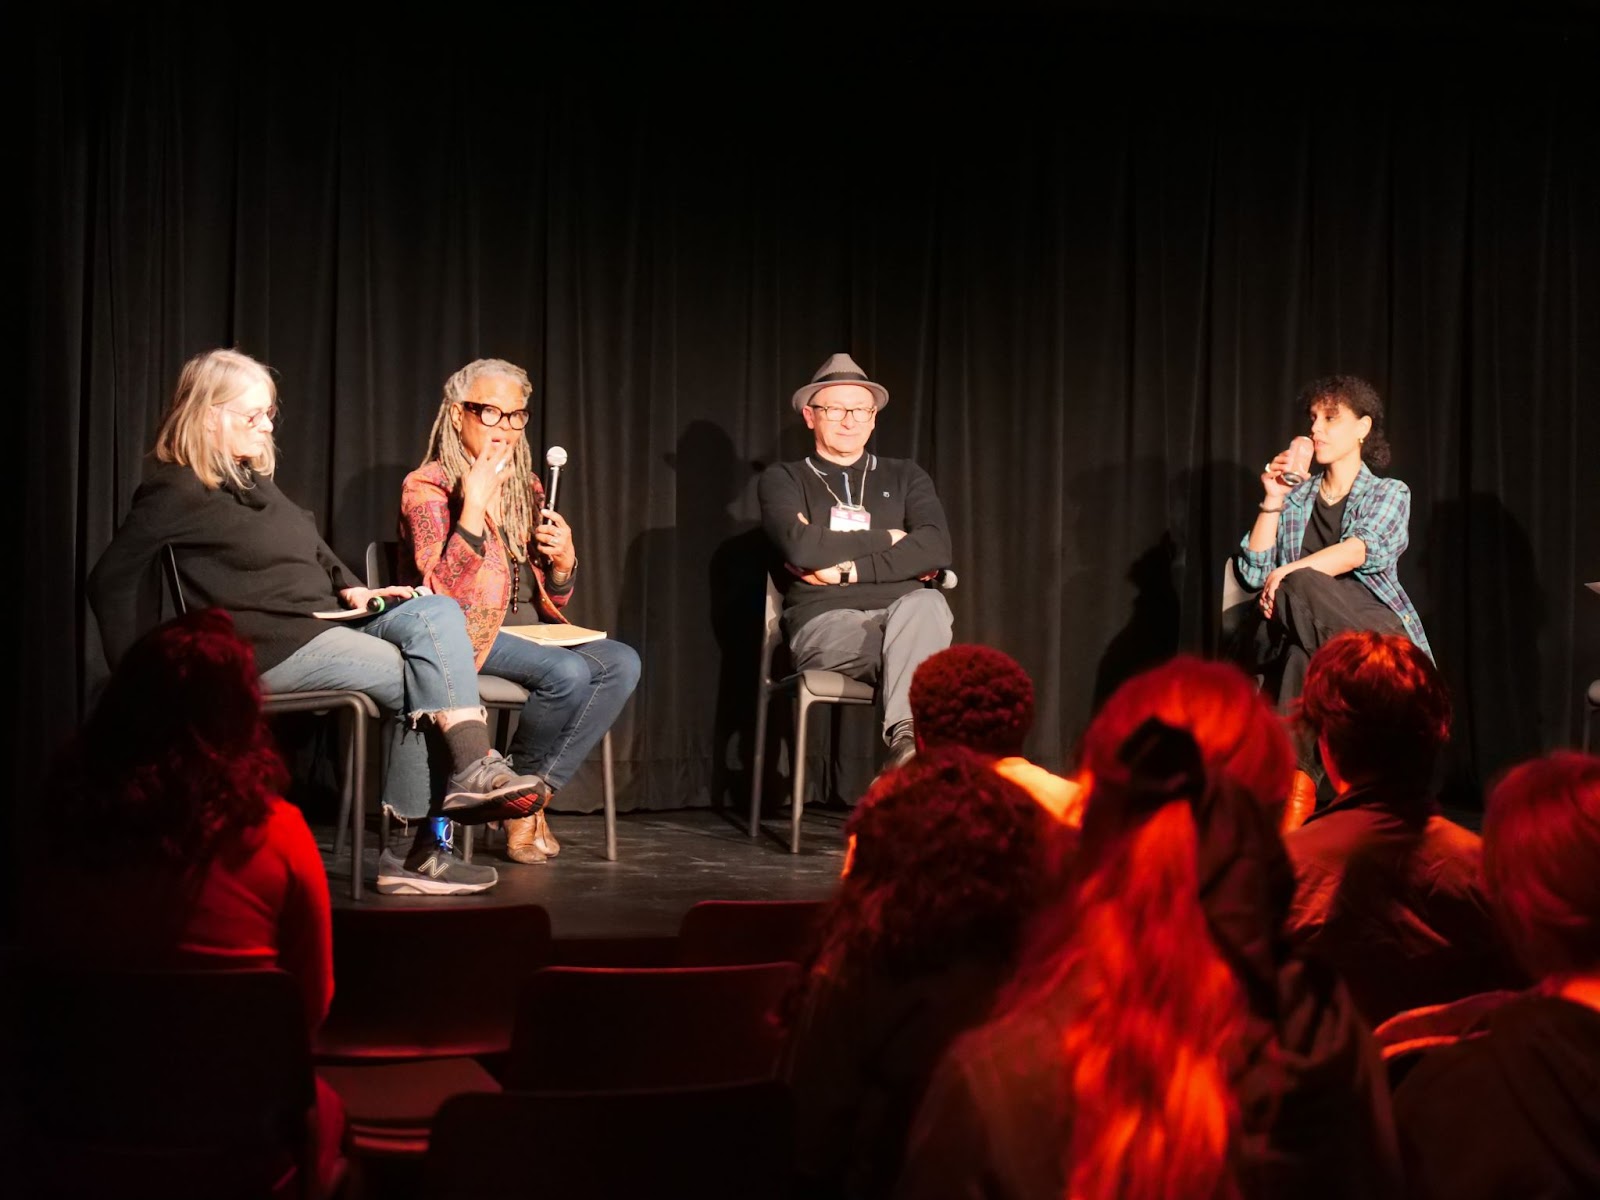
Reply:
x=724, y=933
x=355, y=710
x=191, y=1083
x=620, y=1029
x=708, y=1143
x=422, y=994
x=501, y=697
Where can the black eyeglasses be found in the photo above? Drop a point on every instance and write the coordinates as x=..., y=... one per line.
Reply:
x=517, y=418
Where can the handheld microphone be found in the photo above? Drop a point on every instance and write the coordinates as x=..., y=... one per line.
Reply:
x=555, y=458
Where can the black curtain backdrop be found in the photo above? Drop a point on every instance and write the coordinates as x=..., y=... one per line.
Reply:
x=1092, y=257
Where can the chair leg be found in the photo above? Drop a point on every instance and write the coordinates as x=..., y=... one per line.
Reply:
x=1588, y=723
x=466, y=842
x=346, y=792
x=608, y=775
x=355, y=780
x=797, y=798
x=758, y=758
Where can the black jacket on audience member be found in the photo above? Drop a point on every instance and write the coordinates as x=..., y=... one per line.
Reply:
x=858, y=1061
x=1511, y=1115
x=1391, y=893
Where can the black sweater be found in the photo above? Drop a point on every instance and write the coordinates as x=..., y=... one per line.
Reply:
x=1513, y=1114
x=897, y=493
x=253, y=553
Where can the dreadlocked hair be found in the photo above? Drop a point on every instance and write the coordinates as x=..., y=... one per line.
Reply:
x=517, y=516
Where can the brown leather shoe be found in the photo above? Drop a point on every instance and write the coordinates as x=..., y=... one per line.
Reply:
x=521, y=844
x=543, y=839
x=1302, y=801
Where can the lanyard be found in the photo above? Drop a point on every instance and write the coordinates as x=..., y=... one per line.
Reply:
x=845, y=471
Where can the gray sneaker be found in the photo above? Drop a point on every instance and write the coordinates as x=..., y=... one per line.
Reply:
x=432, y=871
x=491, y=790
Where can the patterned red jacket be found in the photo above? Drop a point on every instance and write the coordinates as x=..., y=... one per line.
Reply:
x=434, y=554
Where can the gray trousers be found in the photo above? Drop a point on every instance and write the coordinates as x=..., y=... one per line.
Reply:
x=881, y=646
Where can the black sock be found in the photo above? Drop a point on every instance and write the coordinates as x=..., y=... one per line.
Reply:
x=468, y=742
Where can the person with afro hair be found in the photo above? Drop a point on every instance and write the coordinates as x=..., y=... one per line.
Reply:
x=981, y=699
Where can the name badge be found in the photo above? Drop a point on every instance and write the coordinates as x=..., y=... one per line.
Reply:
x=843, y=518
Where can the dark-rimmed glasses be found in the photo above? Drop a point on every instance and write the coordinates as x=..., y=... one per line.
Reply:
x=491, y=416
x=838, y=414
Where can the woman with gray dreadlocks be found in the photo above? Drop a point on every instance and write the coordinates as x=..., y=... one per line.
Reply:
x=473, y=526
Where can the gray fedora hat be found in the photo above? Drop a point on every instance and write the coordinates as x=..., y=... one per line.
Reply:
x=840, y=368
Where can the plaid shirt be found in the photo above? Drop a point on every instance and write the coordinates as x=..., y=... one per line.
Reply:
x=1378, y=512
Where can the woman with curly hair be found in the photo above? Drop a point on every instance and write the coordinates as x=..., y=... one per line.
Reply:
x=1325, y=549
x=188, y=855
x=1160, y=1041
x=950, y=861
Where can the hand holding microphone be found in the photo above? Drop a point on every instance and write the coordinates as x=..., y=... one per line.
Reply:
x=553, y=536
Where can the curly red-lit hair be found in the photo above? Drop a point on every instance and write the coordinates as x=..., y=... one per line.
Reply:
x=1379, y=705
x=1541, y=862
x=175, y=756
x=950, y=859
x=972, y=696
x=1240, y=737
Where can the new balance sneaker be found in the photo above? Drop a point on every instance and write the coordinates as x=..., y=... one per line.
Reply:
x=491, y=790
x=431, y=869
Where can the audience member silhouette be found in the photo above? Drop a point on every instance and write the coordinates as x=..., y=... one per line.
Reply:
x=188, y=855
x=950, y=860
x=1387, y=889
x=1160, y=1040
x=981, y=699
x=1516, y=1112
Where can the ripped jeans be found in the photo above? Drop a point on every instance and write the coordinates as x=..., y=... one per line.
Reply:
x=412, y=659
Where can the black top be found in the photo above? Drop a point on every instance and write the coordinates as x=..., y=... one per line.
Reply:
x=1323, y=525
x=253, y=552
x=896, y=492
x=859, y=1059
x=997, y=1118
x=1512, y=1114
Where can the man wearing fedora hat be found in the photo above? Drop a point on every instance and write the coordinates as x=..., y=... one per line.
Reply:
x=861, y=536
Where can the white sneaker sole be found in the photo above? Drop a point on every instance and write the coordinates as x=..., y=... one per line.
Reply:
x=409, y=885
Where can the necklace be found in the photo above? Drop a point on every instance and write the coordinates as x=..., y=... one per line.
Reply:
x=1327, y=496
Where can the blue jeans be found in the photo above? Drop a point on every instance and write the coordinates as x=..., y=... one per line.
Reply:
x=413, y=659
x=574, y=696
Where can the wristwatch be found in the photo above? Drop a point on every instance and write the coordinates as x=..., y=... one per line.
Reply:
x=847, y=571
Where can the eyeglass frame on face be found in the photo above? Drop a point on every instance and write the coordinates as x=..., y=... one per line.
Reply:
x=481, y=410
x=837, y=414
x=253, y=421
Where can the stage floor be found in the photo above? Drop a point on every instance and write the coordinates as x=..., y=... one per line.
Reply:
x=666, y=861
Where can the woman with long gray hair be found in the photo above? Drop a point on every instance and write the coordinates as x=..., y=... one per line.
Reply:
x=473, y=525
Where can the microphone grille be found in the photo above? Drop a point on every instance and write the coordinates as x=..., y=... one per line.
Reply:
x=555, y=457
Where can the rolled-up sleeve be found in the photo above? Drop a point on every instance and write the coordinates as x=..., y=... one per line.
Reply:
x=1383, y=523
x=1254, y=566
